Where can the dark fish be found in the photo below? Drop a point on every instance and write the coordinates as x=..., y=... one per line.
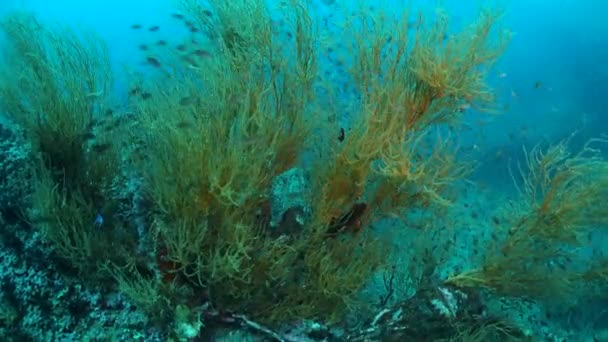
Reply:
x=134, y=91
x=136, y=26
x=202, y=53
x=161, y=43
x=111, y=125
x=129, y=116
x=351, y=221
x=154, y=28
x=181, y=47
x=100, y=148
x=207, y=13
x=146, y=96
x=538, y=84
x=109, y=111
x=190, y=61
x=290, y=224
x=87, y=136
x=183, y=124
x=143, y=47
x=341, y=135
x=92, y=124
x=153, y=62
x=177, y=16
x=186, y=100
x=193, y=29
x=41, y=219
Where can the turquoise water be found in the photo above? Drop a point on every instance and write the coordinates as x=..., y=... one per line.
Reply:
x=551, y=82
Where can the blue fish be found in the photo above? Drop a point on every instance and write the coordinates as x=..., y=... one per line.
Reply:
x=98, y=220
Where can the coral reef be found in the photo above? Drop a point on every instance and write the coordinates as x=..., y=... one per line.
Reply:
x=221, y=190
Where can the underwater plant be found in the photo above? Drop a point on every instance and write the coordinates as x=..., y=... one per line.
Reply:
x=55, y=86
x=248, y=111
x=562, y=198
x=216, y=127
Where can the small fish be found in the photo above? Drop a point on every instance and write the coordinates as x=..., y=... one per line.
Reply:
x=190, y=61
x=186, y=100
x=341, y=135
x=538, y=85
x=161, y=43
x=87, y=136
x=41, y=219
x=146, y=96
x=514, y=94
x=154, y=28
x=183, y=124
x=98, y=220
x=100, y=148
x=202, y=53
x=463, y=107
x=153, y=62
x=181, y=47
x=207, y=13
x=193, y=29
x=92, y=124
x=95, y=94
x=143, y=47
x=134, y=91
x=177, y=16
x=111, y=125
x=351, y=221
x=136, y=26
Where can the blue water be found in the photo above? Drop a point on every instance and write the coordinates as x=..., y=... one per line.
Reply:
x=562, y=45
x=551, y=82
